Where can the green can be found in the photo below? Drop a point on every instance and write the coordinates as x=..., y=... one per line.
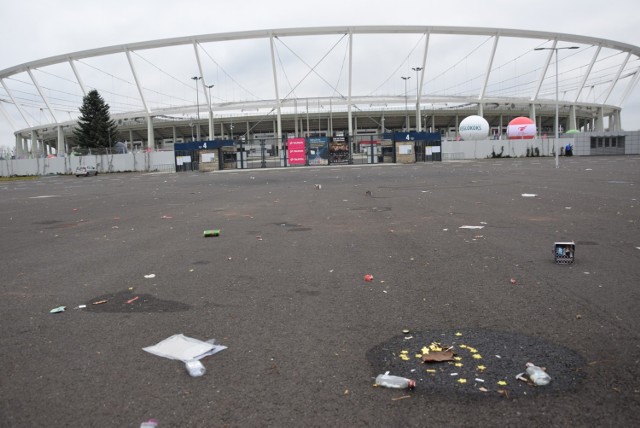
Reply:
x=212, y=232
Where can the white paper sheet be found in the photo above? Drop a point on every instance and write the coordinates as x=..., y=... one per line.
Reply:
x=183, y=348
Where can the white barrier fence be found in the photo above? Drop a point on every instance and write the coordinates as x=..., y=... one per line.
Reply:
x=130, y=162
x=165, y=161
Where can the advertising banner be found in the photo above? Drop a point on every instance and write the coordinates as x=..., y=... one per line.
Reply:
x=296, y=151
x=318, y=150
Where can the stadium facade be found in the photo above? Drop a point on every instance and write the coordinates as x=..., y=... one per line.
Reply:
x=323, y=81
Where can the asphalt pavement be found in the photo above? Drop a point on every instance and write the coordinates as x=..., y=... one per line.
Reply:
x=283, y=287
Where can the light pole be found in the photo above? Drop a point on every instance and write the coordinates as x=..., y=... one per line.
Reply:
x=406, y=106
x=557, y=119
x=418, y=118
x=196, y=78
x=212, y=131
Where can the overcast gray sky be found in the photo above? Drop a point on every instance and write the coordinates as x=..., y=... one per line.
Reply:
x=33, y=29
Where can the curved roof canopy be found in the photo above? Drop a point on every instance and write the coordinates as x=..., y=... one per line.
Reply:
x=322, y=68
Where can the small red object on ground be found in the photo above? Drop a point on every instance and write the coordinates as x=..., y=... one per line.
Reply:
x=130, y=301
x=368, y=277
x=513, y=281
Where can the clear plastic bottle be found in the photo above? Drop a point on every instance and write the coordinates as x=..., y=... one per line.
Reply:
x=195, y=368
x=390, y=381
x=537, y=375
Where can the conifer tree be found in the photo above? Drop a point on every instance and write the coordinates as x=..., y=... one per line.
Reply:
x=95, y=127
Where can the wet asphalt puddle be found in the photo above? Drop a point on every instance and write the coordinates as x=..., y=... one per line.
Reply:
x=128, y=302
x=372, y=209
x=484, y=363
x=289, y=227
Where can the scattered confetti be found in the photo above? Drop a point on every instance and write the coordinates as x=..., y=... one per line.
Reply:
x=481, y=368
x=458, y=334
x=502, y=383
x=437, y=356
x=462, y=380
x=151, y=275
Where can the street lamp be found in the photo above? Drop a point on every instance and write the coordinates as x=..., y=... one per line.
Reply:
x=212, y=131
x=406, y=106
x=418, y=118
x=557, y=120
x=196, y=78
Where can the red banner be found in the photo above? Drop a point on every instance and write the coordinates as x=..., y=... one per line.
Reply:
x=296, y=151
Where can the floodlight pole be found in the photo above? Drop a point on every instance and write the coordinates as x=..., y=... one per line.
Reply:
x=406, y=105
x=196, y=78
x=557, y=118
x=418, y=118
x=212, y=130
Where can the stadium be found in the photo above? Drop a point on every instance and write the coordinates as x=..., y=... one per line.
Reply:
x=357, y=84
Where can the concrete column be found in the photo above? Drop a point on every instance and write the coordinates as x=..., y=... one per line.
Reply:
x=18, y=150
x=616, y=120
x=532, y=112
x=25, y=146
x=599, y=125
x=433, y=123
x=35, y=150
x=481, y=109
x=572, y=118
x=457, y=126
x=151, y=144
x=355, y=132
x=60, y=150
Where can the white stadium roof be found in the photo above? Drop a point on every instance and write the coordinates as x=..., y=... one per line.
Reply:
x=264, y=79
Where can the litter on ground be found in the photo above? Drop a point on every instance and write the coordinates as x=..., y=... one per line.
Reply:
x=183, y=348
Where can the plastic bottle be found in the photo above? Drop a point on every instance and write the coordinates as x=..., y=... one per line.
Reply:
x=537, y=375
x=390, y=381
x=195, y=368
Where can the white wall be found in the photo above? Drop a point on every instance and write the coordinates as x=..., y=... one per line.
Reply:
x=138, y=162
x=483, y=148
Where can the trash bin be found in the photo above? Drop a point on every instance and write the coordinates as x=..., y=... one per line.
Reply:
x=564, y=252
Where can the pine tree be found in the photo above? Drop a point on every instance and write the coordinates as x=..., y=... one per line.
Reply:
x=95, y=128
